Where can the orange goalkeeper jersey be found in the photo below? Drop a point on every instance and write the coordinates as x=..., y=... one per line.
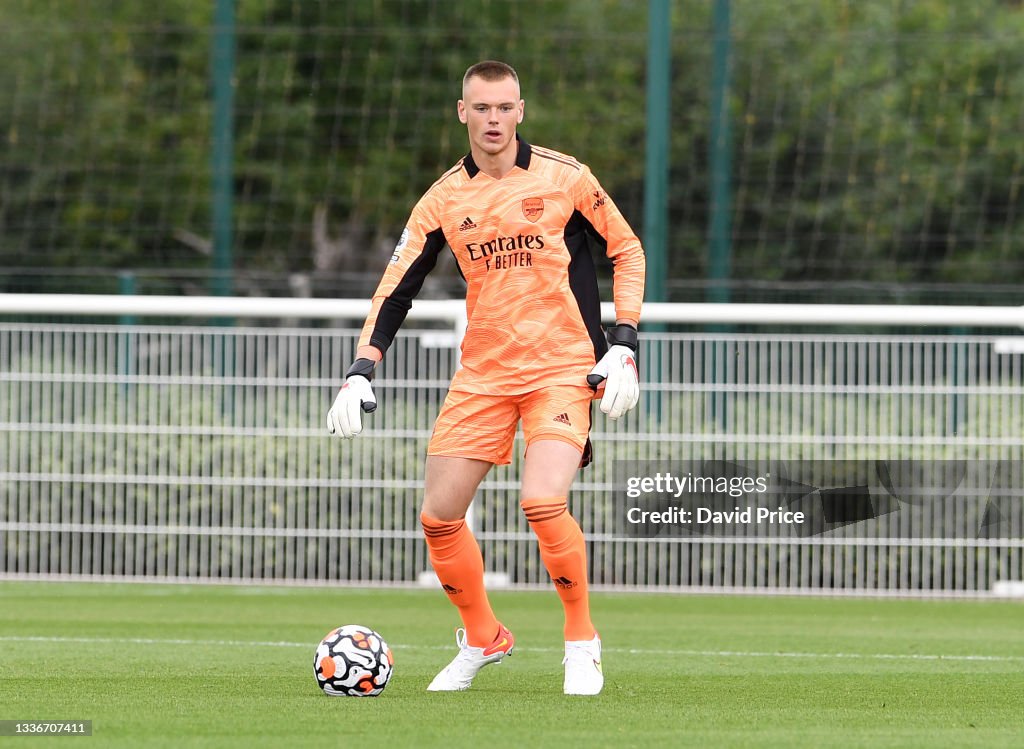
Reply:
x=522, y=244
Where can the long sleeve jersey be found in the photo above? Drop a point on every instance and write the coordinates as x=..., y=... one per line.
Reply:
x=521, y=243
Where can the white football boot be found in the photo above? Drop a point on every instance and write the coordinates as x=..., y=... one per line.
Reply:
x=459, y=674
x=583, y=674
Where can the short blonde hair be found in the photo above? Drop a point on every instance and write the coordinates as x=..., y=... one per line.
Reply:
x=490, y=70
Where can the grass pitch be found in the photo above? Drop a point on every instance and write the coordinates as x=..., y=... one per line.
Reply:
x=224, y=666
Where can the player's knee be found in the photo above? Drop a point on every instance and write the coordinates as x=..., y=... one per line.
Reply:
x=443, y=506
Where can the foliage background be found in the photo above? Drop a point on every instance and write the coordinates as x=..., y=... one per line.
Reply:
x=877, y=143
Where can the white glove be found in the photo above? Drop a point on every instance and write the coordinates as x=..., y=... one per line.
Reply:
x=617, y=369
x=355, y=396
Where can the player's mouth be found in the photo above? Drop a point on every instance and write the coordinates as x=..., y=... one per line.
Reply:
x=492, y=134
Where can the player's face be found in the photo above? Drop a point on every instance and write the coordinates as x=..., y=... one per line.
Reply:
x=491, y=110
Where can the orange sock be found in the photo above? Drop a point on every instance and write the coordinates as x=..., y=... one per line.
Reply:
x=564, y=554
x=459, y=566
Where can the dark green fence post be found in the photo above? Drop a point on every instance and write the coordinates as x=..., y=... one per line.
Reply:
x=222, y=71
x=720, y=217
x=659, y=63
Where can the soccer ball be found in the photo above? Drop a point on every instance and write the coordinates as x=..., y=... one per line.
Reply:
x=353, y=661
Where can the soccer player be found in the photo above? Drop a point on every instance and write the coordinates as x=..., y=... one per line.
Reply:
x=519, y=219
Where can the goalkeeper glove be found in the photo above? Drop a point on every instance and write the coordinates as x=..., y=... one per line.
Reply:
x=617, y=369
x=344, y=418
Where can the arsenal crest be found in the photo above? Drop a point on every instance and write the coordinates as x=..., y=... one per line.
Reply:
x=533, y=209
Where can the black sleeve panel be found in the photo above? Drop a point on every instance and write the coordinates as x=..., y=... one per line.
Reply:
x=579, y=233
x=397, y=305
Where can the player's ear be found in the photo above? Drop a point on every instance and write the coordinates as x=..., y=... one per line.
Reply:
x=462, y=111
x=522, y=110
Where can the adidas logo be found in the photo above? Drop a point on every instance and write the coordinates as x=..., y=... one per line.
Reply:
x=563, y=418
x=564, y=583
x=451, y=590
x=467, y=224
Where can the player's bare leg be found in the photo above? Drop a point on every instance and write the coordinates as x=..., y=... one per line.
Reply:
x=548, y=473
x=450, y=484
x=549, y=468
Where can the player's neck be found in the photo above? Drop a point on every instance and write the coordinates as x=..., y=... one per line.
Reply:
x=499, y=164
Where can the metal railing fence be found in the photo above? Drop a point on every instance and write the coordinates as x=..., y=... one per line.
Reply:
x=199, y=452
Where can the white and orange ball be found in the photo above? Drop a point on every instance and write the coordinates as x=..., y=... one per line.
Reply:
x=353, y=661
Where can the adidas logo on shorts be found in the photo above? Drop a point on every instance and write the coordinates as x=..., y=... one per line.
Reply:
x=563, y=582
x=563, y=418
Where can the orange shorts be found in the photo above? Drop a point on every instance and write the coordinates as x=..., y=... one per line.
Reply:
x=483, y=427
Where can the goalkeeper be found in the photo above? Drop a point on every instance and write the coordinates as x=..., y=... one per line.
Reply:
x=520, y=220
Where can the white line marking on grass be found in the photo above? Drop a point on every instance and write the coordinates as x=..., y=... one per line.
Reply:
x=156, y=641
x=629, y=651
